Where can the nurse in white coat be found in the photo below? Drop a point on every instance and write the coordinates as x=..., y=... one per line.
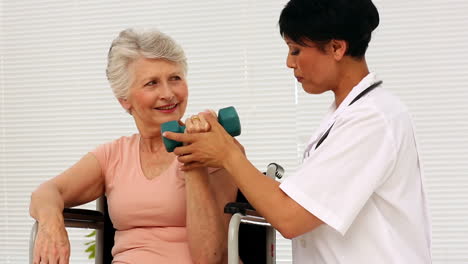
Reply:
x=358, y=196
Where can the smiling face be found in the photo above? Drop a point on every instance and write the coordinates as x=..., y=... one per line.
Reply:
x=314, y=68
x=158, y=92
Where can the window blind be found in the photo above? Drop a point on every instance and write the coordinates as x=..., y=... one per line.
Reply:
x=56, y=104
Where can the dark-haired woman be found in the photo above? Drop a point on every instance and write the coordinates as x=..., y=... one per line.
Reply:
x=358, y=196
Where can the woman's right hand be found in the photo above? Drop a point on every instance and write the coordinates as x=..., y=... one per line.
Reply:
x=52, y=245
x=197, y=124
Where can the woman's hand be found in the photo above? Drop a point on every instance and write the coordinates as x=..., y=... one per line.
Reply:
x=197, y=124
x=52, y=245
x=79, y=184
x=209, y=149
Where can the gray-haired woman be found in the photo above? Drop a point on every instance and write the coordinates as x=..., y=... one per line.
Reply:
x=161, y=214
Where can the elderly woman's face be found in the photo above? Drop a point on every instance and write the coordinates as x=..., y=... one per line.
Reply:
x=158, y=92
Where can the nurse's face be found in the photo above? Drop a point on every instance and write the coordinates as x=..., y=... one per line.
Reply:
x=314, y=68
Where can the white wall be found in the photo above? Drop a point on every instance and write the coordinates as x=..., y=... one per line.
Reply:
x=56, y=104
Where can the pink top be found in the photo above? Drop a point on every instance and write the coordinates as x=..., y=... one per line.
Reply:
x=148, y=215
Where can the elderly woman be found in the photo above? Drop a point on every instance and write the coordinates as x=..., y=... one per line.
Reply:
x=161, y=214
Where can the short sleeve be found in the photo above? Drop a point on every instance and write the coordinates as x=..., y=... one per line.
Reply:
x=103, y=155
x=338, y=178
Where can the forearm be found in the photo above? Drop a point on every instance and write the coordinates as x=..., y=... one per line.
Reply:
x=218, y=149
x=46, y=203
x=264, y=194
x=205, y=220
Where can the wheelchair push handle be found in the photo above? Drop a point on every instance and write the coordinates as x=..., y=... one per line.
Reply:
x=227, y=117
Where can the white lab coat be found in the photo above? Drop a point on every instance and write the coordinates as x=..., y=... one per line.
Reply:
x=365, y=183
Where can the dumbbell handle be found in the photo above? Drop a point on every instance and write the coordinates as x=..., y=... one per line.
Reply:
x=227, y=117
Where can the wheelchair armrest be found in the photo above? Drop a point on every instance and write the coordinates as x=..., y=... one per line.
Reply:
x=83, y=218
x=243, y=208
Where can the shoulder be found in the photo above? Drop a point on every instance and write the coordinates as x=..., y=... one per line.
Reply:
x=120, y=142
x=126, y=140
x=379, y=101
x=111, y=149
x=380, y=107
x=382, y=114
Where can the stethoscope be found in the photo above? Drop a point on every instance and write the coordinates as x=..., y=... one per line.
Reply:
x=325, y=135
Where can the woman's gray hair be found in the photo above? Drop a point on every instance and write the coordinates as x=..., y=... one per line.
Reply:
x=132, y=44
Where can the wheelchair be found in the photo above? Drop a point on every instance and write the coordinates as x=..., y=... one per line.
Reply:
x=250, y=237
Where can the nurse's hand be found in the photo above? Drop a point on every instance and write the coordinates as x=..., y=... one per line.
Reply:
x=210, y=149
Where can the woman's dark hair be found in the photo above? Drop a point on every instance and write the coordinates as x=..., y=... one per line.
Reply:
x=320, y=21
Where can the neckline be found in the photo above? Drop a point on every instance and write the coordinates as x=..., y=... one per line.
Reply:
x=140, y=169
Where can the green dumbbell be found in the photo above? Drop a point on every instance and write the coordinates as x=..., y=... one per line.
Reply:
x=227, y=117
